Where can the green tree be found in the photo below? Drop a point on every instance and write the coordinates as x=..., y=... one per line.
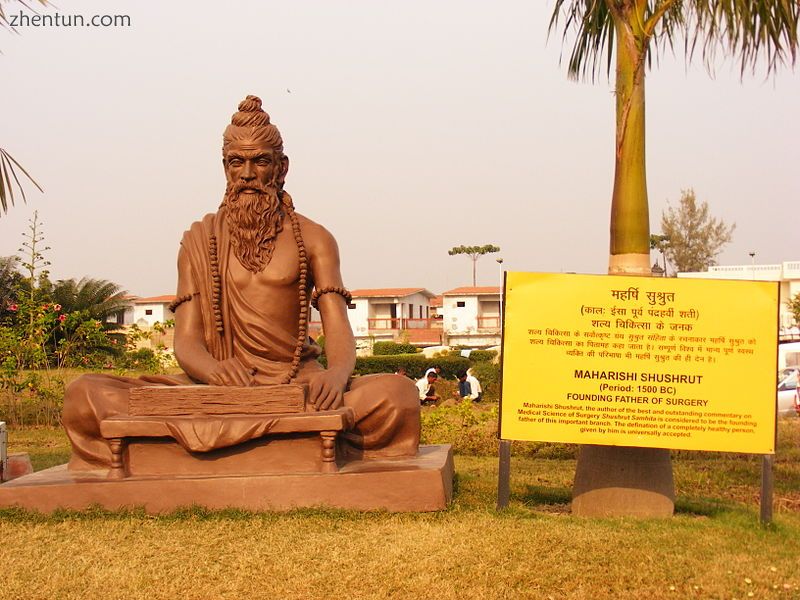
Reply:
x=474, y=252
x=793, y=304
x=695, y=237
x=660, y=243
x=756, y=31
x=10, y=278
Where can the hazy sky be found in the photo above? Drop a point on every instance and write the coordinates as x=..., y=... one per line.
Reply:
x=411, y=126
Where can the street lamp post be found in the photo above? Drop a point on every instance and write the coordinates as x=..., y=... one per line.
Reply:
x=504, y=446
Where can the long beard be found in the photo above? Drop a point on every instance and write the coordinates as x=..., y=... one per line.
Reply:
x=254, y=221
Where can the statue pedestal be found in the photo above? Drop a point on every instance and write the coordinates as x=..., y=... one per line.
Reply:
x=420, y=484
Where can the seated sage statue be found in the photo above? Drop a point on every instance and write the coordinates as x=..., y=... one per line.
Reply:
x=246, y=277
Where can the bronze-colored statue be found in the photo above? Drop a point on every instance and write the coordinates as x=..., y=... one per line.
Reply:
x=246, y=277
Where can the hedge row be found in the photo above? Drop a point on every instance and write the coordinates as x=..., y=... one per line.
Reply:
x=391, y=348
x=415, y=364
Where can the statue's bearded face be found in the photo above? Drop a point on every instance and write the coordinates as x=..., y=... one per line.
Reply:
x=255, y=216
x=247, y=162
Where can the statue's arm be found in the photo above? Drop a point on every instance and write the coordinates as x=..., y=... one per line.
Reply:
x=190, y=346
x=327, y=390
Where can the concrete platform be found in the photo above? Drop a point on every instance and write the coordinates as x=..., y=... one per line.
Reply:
x=421, y=484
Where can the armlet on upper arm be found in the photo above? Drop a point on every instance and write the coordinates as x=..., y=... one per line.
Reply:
x=348, y=297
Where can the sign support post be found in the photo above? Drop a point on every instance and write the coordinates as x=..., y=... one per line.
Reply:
x=767, y=485
x=504, y=475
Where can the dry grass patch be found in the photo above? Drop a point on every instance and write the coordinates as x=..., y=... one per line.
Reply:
x=462, y=553
x=713, y=547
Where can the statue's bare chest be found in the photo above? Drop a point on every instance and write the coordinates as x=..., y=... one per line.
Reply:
x=282, y=271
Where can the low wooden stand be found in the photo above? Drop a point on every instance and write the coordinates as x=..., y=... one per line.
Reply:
x=119, y=431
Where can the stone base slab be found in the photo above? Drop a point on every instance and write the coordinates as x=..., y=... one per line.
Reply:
x=420, y=484
x=18, y=465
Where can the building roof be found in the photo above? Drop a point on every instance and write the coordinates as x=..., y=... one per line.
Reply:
x=436, y=302
x=156, y=299
x=390, y=292
x=473, y=291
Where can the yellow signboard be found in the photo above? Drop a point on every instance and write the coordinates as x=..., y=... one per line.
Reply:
x=634, y=361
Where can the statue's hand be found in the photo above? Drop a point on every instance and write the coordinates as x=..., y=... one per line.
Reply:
x=231, y=372
x=326, y=391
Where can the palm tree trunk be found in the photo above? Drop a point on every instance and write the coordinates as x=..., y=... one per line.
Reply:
x=474, y=265
x=630, y=219
x=610, y=480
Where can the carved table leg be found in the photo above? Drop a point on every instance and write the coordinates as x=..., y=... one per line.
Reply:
x=329, y=452
x=117, y=468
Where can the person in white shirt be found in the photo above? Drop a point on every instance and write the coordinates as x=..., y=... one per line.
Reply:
x=425, y=386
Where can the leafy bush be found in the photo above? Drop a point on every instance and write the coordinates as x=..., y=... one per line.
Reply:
x=392, y=348
x=31, y=398
x=476, y=356
x=488, y=374
x=155, y=359
x=472, y=430
x=415, y=364
x=142, y=359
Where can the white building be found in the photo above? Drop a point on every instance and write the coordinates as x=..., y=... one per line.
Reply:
x=472, y=316
x=787, y=273
x=124, y=317
x=148, y=311
x=393, y=314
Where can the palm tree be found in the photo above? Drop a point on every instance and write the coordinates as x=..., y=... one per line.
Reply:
x=757, y=31
x=98, y=298
x=638, y=481
x=474, y=253
x=8, y=162
x=7, y=171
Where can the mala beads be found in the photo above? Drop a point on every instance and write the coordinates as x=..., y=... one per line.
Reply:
x=216, y=285
x=302, y=285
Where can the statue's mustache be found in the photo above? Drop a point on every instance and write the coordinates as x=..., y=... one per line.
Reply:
x=239, y=186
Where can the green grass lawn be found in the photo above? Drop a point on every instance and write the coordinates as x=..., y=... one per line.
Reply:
x=714, y=547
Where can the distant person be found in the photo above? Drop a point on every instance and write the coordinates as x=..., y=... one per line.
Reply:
x=475, y=385
x=427, y=389
x=469, y=388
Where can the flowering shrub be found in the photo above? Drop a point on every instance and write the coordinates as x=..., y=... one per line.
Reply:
x=39, y=337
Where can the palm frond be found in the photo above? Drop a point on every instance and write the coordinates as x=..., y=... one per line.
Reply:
x=99, y=298
x=751, y=30
x=595, y=35
x=4, y=23
x=8, y=166
x=756, y=32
